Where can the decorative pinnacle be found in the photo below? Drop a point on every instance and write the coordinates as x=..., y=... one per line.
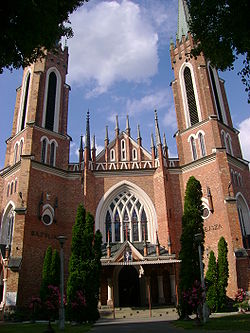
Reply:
x=164, y=141
x=127, y=123
x=93, y=141
x=81, y=146
x=138, y=132
x=116, y=123
x=107, y=135
x=152, y=141
x=157, y=131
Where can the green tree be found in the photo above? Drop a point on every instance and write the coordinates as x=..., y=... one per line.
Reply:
x=221, y=30
x=192, y=223
x=211, y=283
x=223, y=273
x=55, y=269
x=84, y=269
x=46, y=273
x=28, y=26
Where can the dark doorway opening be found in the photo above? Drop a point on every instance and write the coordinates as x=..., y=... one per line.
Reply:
x=129, y=288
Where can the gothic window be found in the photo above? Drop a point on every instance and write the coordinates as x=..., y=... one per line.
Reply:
x=190, y=95
x=51, y=102
x=193, y=148
x=15, y=153
x=44, y=151
x=15, y=188
x=216, y=96
x=202, y=144
x=8, y=190
x=108, y=226
x=11, y=188
x=244, y=219
x=25, y=102
x=112, y=155
x=6, y=234
x=52, y=154
x=117, y=227
x=223, y=139
x=123, y=150
x=20, y=149
x=229, y=145
x=127, y=218
x=144, y=223
x=134, y=154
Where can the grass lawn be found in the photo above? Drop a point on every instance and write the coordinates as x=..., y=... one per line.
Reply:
x=40, y=328
x=239, y=322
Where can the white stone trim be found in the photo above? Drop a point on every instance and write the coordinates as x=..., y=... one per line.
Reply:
x=20, y=112
x=140, y=194
x=184, y=94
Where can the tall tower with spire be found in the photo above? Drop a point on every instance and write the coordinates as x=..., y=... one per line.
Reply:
x=208, y=146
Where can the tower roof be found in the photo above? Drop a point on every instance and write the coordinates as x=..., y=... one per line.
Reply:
x=183, y=18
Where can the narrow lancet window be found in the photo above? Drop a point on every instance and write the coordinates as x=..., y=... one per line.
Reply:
x=25, y=102
x=52, y=154
x=191, y=101
x=51, y=102
x=193, y=148
x=216, y=96
x=44, y=151
x=202, y=145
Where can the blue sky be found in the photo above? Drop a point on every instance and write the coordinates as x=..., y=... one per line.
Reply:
x=119, y=64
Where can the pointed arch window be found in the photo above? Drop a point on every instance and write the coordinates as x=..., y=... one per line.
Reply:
x=223, y=139
x=8, y=190
x=127, y=218
x=44, y=151
x=51, y=102
x=6, y=233
x=11, y=188
x=15, y=188
x=229, y=148
x=15, y=153
x=20, y=149
x=134, y=154
x=202, y=144
x=108, y=226
x=123, y=150
x=191, y=101
x=215, y=91
x=52, y=154
x=25, y=102
x=193, y=148
x=112, y=155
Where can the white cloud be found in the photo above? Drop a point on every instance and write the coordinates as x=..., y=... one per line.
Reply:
x=169, y=119
x=112, y=42
x=244, y=128
x=157, y=100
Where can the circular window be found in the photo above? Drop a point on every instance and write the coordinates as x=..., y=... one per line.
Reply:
x=47, y=219
x=205, y=212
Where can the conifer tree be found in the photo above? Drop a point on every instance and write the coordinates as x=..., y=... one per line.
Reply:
x=55, y=269
x=211, y=283
x=84, y=269
x=192, y=223
x=223, y=273
x=46, y=274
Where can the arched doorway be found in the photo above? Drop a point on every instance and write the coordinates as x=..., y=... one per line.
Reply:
x=129, y=288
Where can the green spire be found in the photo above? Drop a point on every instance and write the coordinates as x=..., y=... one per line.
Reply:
x=183, y=18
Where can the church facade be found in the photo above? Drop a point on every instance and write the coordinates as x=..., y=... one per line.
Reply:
x=136, y=196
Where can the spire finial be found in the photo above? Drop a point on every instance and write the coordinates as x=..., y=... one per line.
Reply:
x=164, y=141
x=93, y=141
x=127, y=123
x=87, y=136
x=152, y=141
x=107, y=135
x=116, y=125
x=138, y=132
x=157, y=131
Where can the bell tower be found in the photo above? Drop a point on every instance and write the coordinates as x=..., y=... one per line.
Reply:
x=209, y=149
x=40, y=118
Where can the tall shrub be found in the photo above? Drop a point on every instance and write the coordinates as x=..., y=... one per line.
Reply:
x=211, y=283
x=84, y=269
x=55, y=269
x=223, y=273
x=192, y=223
x=46, y=274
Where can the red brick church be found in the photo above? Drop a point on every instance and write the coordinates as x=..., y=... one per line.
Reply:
x=136, y=196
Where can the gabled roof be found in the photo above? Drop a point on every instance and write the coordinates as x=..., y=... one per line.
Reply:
x=120, y=137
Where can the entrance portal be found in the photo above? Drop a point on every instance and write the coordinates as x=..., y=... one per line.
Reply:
x=129, y=288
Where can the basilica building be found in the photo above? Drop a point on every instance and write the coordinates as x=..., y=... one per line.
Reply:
x=135, y=195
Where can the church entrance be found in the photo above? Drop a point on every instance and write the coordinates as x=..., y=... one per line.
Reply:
x=129, y=288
